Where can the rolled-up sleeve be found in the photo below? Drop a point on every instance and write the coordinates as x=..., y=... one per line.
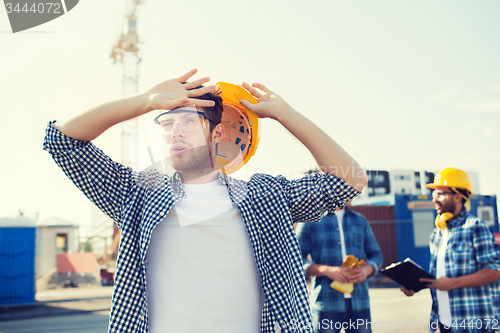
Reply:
x=310, y=196
x=487, y=250
x=105, y=182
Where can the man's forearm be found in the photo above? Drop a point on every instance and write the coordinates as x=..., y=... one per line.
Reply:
x=166, y=95
x=340, y=274
x=91, y=123
x=328, y=154
x=369, y=270
x=316, y=270
x=480, y=278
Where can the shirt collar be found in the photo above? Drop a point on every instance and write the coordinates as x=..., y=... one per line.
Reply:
x=224, y=179
x=176, y=182
x=457, y=220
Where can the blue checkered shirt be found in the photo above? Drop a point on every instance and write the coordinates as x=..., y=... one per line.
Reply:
x=138, y=201
x=322, y=242
x=471, y=247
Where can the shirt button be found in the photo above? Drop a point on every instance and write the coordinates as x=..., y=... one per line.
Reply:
x=162, y=213
x=339, y=243
x=141, y=317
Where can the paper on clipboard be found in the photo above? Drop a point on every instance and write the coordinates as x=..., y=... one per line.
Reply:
x=408, y=274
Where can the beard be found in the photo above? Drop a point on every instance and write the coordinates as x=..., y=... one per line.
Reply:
x=194, y=163
x=447, y=207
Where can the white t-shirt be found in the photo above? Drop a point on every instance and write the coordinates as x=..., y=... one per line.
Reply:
x=201, y=273
x=340, y=216
x=443, y=298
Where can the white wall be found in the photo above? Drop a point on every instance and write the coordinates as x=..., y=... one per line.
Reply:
x=46, y=256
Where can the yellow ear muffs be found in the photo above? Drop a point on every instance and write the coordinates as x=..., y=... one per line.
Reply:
x=442, y=219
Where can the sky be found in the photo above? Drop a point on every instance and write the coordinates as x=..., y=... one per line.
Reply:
x=407, y=85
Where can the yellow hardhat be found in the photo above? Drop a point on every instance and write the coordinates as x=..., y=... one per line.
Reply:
x=452, y=177
x=241, y=127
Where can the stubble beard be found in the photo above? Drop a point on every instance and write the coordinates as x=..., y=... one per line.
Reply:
x=194, y=163
x=447, y=208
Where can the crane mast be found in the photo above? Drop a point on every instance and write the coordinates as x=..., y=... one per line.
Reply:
x=126, y=52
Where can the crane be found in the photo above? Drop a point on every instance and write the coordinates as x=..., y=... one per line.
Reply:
x=126, y=52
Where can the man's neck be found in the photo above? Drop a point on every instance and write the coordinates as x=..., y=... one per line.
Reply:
x=458, y=209
x=204, y=179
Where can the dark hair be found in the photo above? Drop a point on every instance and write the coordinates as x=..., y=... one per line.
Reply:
x=464, y=192
x=215, y=112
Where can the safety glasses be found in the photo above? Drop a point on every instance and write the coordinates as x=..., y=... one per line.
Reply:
x=440, y=194
x=189, y=120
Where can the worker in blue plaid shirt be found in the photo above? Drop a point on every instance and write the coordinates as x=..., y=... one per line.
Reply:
x=465, y=260
x=199, y=250
x=340, y=233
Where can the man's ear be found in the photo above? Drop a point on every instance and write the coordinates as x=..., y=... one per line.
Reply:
x=218, y=133
x=457, y=198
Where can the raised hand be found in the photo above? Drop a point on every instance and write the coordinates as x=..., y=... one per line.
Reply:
x=269, y=105
x=178, y=92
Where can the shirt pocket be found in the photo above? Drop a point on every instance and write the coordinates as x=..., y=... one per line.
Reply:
x=354, y=236
x=462, y=255
x=319, y=240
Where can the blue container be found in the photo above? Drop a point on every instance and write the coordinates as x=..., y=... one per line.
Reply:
x=415, y=220
x=17, y=264
x=412, y=235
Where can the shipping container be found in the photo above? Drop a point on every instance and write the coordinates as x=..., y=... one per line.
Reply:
x=17, y=261
x=403, y=227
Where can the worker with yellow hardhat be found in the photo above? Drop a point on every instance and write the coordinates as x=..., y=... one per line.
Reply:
x=459, y=183
x=201, y=251
x=465, y=259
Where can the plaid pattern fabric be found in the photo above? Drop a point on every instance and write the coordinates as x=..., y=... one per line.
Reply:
x=138, y=201
x=322, y=242
x=471, y=247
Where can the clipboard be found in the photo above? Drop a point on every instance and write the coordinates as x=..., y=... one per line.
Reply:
x=407, y=273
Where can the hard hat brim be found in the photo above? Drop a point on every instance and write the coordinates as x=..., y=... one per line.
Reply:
x=231, y=96
x=434, y=186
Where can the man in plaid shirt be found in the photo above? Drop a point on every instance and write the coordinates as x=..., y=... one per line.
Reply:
x=340, y=233
x=201, y=251
x=465, y=260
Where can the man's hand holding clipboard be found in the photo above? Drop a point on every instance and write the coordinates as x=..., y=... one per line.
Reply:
x=409, y=275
